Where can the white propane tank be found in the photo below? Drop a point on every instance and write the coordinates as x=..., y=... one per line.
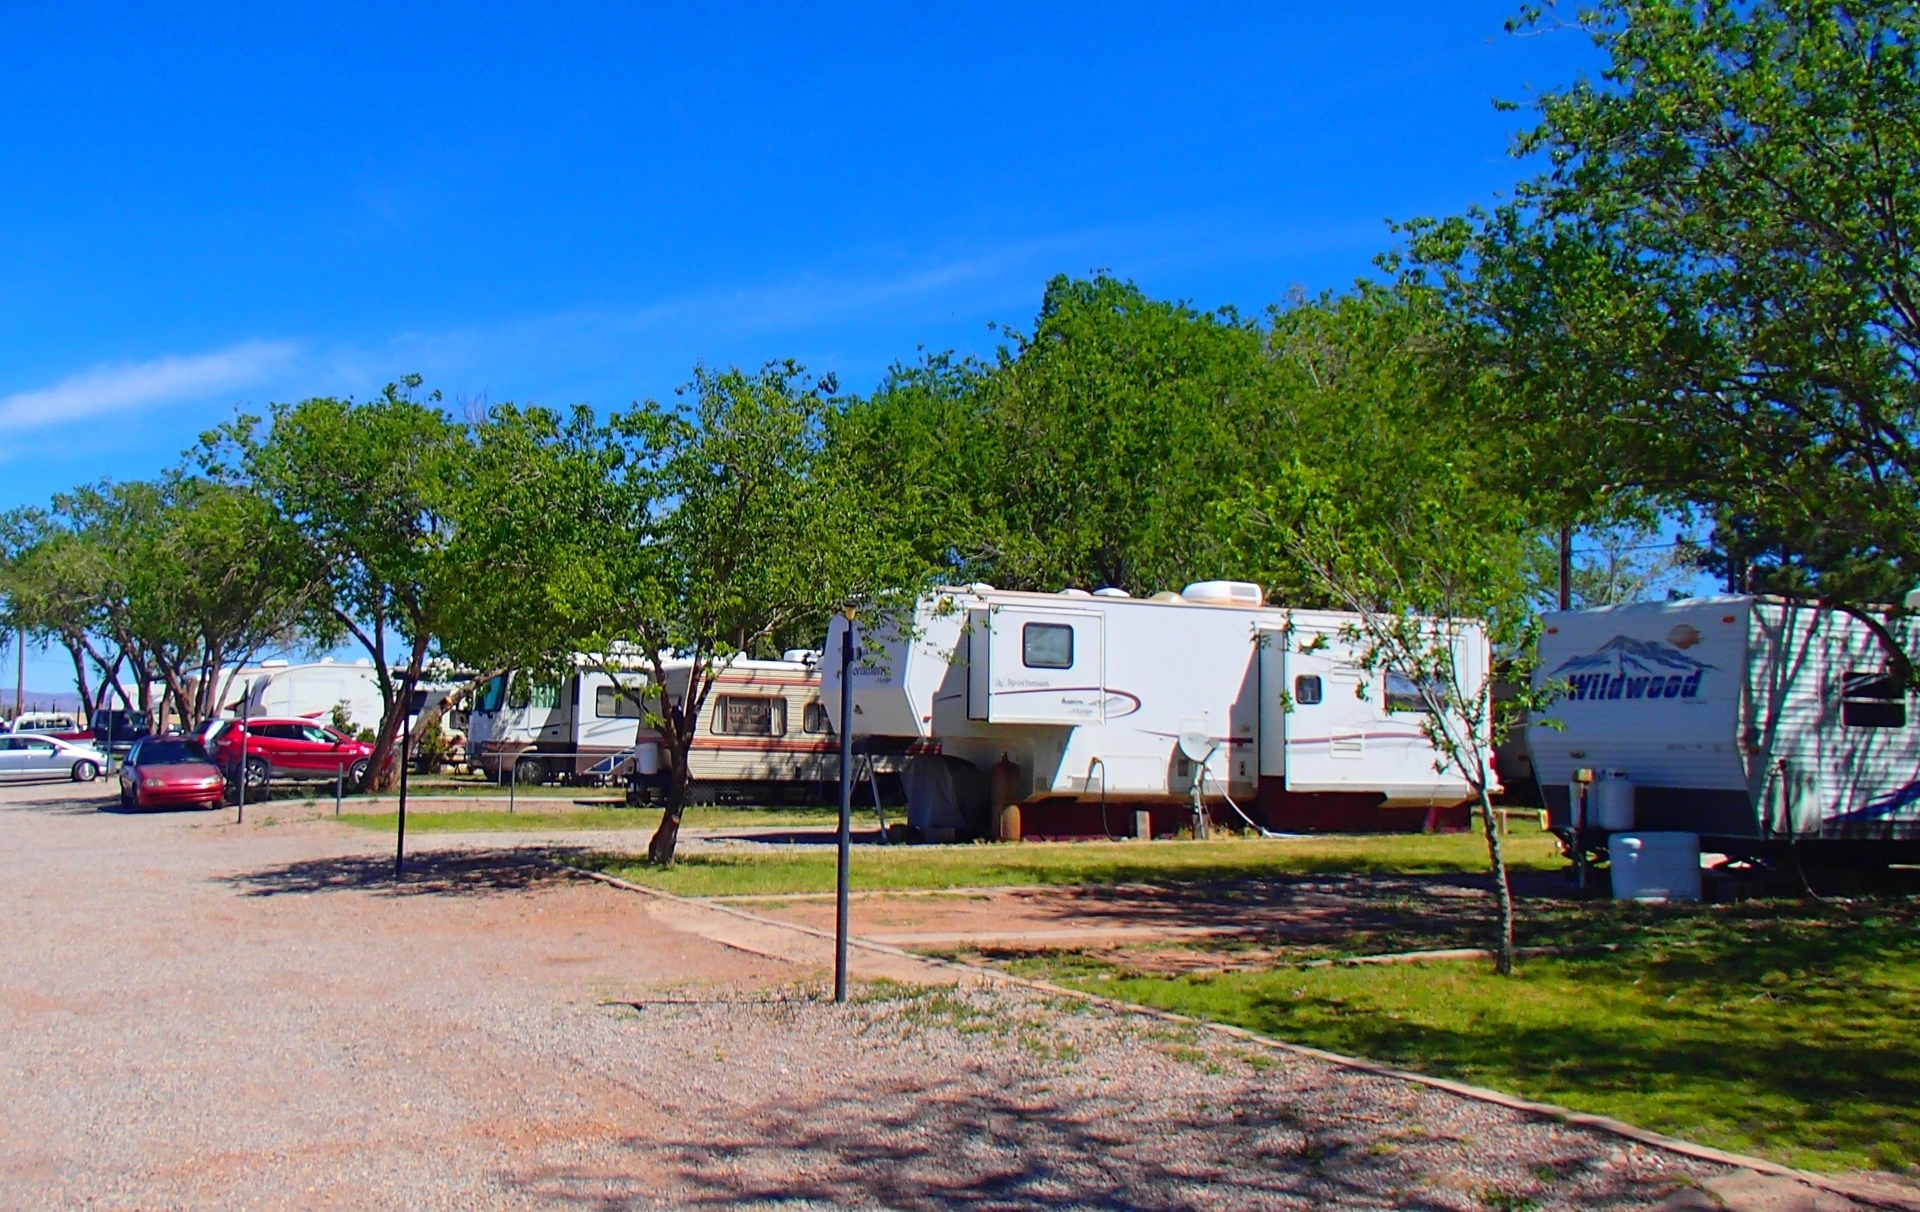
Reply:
x=1655, y=866
x=646, y=758
x=1610, y=802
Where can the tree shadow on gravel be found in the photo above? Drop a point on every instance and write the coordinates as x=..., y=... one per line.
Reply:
x=942, y=1145
x=428, y=873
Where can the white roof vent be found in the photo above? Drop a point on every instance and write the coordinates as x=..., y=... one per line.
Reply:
x=1111, y=592
x=1166, y=595
x=802, y=656
x=1224, y=593
x=976, y=587
x=1075, y=593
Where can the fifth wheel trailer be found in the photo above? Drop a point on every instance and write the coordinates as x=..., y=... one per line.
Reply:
x=1757, y=723
x=762, y=733
x=1089, y=695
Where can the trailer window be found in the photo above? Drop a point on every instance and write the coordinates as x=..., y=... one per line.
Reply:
x=612, y=703
x=528, y=692
x=815, y=720
x=1872, y=700
x=1046, y=646
x=1307, y=691
x=1404, y=694
x=738, y=715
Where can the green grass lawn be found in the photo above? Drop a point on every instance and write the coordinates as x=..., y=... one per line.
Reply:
x=436, y=818
x=1780, y=1028
x=789, y=869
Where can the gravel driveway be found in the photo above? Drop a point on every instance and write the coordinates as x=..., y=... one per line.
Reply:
x=205, y=1015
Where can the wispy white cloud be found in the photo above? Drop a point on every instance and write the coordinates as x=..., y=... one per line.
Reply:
x=162, y=380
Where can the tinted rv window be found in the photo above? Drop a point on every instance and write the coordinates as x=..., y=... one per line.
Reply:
x=815, y=719
x=1872, y=700
x=1306, y=689
x=609, y=703
x=1403, y=693
x=488, y=699
x=737, y=715
x=1046, y=646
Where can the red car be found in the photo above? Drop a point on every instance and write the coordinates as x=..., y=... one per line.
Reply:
x=170, y=772
x=286, y=749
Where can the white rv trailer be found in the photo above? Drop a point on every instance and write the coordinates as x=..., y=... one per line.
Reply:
x=312, y=690
x=1751, y=721
x=762, y=732
x=1088, y=695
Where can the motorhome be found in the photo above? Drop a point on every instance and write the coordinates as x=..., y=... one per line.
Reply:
x=1077, y=703
x=1755, y=722
x=762, y=733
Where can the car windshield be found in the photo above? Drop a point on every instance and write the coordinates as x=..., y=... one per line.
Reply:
x=173, y=749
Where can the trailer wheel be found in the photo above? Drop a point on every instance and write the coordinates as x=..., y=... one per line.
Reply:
x=530, y=772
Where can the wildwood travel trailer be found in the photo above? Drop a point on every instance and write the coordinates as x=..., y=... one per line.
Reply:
x=1074, y=706
x=1757, y=723
x=762, y=733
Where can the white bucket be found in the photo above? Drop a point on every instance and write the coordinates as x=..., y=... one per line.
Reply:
x=646, y=758
x=1655, y=866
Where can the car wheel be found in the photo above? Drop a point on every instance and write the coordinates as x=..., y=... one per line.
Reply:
x=126, y=798
x=357, y=775
x=85, y=772
x=258, y=772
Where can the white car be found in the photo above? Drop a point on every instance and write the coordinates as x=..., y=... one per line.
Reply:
x=44, y=756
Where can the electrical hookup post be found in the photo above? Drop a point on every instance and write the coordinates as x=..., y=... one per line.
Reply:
x=416, y=703
x=846, y=812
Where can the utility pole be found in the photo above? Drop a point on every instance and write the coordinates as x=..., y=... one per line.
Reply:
x=1566, y=568
x=20, y=673
x=846, y=813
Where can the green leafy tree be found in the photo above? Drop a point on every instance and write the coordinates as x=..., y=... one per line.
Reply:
x=1087, y=454
x=371, y=490
x=702, y=532
x=1422, y=579
x=53, y=582
x=1711, y=295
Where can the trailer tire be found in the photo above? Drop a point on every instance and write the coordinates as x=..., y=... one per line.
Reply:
x=530, y=772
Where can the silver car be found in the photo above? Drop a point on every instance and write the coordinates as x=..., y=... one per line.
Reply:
x=45, y=756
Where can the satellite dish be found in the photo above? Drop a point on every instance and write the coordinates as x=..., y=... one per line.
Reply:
x=1196, y=745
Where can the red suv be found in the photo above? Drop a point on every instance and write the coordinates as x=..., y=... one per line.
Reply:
x=286, y=749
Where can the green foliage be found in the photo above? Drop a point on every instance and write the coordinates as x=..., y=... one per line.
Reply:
x=704, y=531
x=182, y=580
x=1110, y=445
x=1397, y=514
x=1712, y=295
x=370, y=492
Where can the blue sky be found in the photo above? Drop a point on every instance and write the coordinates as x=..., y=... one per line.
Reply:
x=209, y=208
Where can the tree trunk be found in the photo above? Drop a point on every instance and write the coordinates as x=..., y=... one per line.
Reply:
x=667, y=837
x=381, y=773
x=80, y=680
x=1503, y=953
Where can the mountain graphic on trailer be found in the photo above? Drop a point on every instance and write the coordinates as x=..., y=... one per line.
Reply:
x=1623, y=654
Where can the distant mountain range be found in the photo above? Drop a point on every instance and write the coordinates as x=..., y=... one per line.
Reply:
x=1623, y=654
x=42, y=700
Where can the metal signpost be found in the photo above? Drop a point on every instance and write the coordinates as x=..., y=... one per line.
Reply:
x=416, y=701
x=846, y=812
x=241, y=817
